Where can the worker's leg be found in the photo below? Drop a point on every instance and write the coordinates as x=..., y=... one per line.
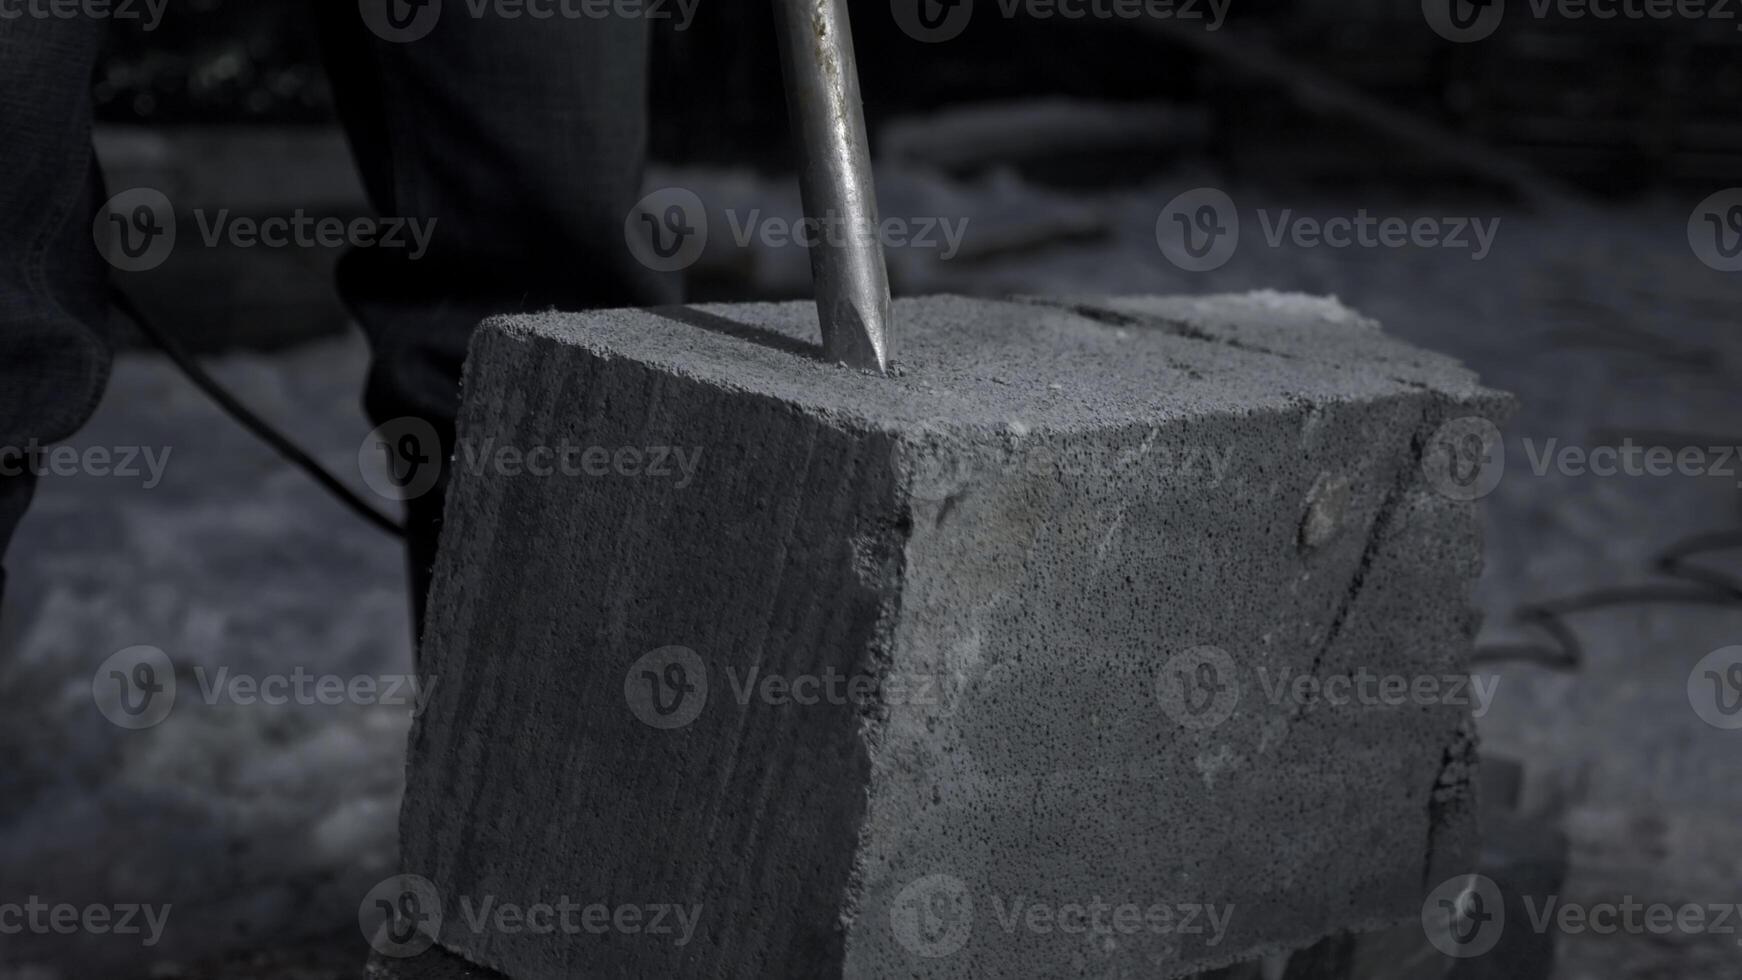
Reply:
x=523, y=140
x=54, y=356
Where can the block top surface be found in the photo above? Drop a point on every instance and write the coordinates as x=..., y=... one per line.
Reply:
x=1055, y=363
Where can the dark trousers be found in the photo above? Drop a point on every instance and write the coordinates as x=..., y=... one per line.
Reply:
x=522, y=139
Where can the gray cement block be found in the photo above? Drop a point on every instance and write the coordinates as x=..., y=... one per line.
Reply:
x=1084, y=562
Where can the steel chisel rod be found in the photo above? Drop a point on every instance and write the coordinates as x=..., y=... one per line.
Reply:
x=822, y=93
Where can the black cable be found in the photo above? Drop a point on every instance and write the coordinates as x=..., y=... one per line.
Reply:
x=1706, y=587
x=253, y=423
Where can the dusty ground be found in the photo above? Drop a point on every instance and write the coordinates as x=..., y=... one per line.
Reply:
x=264, y=826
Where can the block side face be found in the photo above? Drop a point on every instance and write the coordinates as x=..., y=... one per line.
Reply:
x=1059, y=586
x=599, y=732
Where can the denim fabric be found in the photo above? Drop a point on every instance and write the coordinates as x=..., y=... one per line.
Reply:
x=522, y=139
x=54, y=357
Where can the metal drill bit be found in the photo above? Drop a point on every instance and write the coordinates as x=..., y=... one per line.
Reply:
x=822, y=94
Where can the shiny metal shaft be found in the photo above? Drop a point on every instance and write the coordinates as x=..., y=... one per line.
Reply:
x=822, y=94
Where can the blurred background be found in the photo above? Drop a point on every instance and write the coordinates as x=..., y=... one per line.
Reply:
x=1596, y=150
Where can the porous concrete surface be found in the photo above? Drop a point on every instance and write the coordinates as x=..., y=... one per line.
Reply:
x=1013, y=536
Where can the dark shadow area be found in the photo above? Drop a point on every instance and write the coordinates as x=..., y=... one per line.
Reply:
x=741, y=331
